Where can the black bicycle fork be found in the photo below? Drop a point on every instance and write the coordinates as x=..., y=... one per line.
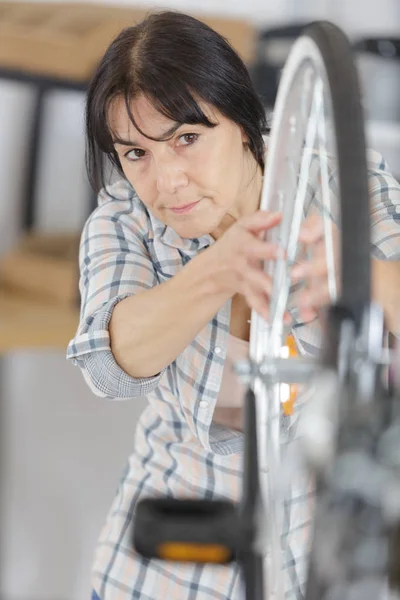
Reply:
x=211, y=531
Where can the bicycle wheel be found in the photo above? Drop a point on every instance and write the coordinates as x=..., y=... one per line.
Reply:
x=316, y=164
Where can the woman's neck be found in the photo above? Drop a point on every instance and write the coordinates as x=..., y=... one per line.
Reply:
x=248, y=204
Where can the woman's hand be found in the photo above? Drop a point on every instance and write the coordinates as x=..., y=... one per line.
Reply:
x=314, y=271
x=239, y=256
x=241, y=251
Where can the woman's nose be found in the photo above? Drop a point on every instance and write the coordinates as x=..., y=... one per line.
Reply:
x=171, y=175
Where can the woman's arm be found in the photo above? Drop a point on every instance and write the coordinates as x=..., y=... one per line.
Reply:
x=386, y=290
x=384, y=194
x=150, y=329
x=132, y=327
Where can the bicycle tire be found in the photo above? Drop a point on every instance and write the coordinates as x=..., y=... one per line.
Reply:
x=329, y=50
x=353, y=175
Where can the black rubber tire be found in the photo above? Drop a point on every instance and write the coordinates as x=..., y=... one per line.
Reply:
x=352, y=163
x=355, y=296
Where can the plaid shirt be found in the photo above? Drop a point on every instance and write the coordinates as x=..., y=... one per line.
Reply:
x=179, y=451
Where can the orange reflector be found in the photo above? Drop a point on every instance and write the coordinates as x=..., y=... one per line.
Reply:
x=291, y=344
x=288, y=405
x=205, y=553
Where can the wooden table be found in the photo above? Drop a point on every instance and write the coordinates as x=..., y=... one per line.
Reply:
x=67, y=39
x=29, y=323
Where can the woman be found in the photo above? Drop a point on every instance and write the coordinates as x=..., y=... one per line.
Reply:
x=170, y=270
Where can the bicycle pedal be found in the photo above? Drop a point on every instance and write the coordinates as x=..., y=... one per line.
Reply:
x=202, y=531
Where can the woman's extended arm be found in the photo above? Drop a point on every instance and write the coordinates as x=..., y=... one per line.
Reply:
x=386, y=290
x=150, y=329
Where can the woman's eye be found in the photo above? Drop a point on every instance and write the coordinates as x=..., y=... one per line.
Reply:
x=188, y=138
x=135, y=154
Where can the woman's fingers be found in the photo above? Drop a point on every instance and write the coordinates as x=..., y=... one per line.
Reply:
x=257, y=288
x=315, y=271
x=257, y=280
x=312, y=234
x=256, y=285
x=260, y=303
x=256, y=249
x=311, y=268
x=314, y=298
x=311, y=230
x=307, y=315
x=257, y=300
x=261, y=221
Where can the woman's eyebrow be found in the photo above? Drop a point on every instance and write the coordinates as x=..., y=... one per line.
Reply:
x=164, y=137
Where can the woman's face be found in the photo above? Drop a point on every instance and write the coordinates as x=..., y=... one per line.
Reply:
x=200, y=181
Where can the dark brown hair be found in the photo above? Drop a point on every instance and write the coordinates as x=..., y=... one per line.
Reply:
x=174, y=60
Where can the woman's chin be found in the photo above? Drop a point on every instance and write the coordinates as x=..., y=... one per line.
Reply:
x=193, y=228
x=190, y=231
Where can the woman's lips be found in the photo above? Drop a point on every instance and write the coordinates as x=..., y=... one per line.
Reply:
x=180, y=210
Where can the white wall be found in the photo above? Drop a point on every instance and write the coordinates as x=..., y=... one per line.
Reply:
x=16, y=105
x=355, y=16
x=65, y=448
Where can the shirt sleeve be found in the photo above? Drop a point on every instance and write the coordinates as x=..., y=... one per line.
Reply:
x=384, y=196
x=114, y=264
x=384, y=193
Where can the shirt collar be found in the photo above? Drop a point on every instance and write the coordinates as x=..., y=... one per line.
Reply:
x=168, y=236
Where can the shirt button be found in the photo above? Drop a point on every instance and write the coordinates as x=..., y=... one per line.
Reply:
x=203, y=403
x=218, y=350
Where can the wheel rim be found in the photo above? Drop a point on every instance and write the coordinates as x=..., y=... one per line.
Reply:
x=302, y=139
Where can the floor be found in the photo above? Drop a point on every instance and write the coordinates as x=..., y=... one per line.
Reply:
x=63, y=452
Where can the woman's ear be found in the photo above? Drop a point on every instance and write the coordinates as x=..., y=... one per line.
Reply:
x=244, y=136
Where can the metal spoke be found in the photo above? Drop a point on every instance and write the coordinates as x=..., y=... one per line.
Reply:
x=281, y=271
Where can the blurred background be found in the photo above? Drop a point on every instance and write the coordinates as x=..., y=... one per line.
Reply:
x=62, y=449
